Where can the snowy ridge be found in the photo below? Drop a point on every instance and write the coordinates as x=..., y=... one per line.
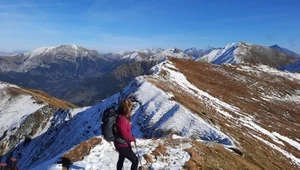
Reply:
x=161, y=114
x=223, y=56
x=72, y=49
x=155, y=114
x=231, y=53
x=209, y=57
x=72, y=127
x=179, y=79
x=242, y=52
x=38, y=51
x=15, y=109
x=236, y=115
x=99, y=159
x=6, y=85
x=24, y=114
x=136, y=56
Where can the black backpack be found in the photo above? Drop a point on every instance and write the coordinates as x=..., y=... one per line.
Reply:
x=108, y=124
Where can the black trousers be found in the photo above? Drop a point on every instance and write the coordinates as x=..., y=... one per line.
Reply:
x=126, y=152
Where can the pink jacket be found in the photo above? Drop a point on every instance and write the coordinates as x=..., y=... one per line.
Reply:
x=123, y=127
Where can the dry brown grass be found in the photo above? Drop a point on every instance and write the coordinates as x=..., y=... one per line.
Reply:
x=41, y=97
x=190, y=165
x=52, y=101
x=224, y=82
x=148, y=158
x=232, y=91
x=39, y=118
x=80, y=151
x=14, y=91
x=160, y=150
x=215, y=156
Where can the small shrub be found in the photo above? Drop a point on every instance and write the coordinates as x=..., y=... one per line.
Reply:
x=160, y=150
x=148, y=158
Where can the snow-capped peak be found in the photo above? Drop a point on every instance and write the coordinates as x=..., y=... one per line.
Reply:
x=38, y=51
x=71, y=50
x=46, y=55
x=233, y=45
x=239, y=53
x=74, y=46
x=223, y=55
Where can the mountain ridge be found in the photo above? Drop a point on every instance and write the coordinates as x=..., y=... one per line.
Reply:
x=285, y=51
x=245, y=52
x=28, y=104
x=238, y=110
x=231, y=53
x=67, y=71
x=40, y=56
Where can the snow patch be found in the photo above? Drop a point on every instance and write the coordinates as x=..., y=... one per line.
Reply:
x=258, y=69
x=211, y=101
x=38, y=51
x=294, y=159
x=74, y=46
x=6, y=85
x=105, y=156
x=15, y=110
x=158, y=113
x=250, y=124
x=224, y=55
x=288, y=140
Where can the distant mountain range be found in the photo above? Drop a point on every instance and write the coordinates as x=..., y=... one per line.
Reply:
x=54, y=69
x=232, y=53
x=2, y=53
x=186, y=115
x=248, y=53
x=198, y=53
x=44, y=57
x=85, y=77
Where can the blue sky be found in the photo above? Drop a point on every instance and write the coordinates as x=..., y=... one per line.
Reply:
x=112, y=25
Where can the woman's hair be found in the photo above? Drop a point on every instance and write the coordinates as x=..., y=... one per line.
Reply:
x=125, y=108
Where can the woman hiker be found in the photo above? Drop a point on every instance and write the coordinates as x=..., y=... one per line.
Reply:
x=124, y=136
